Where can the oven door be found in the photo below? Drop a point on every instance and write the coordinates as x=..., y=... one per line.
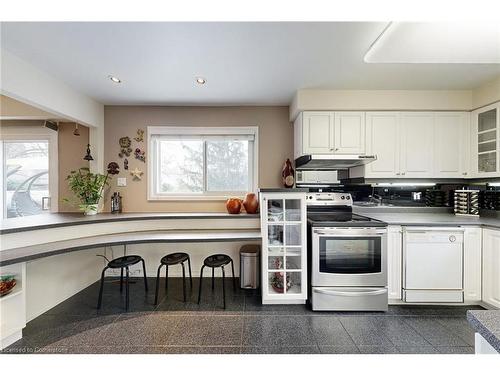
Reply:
x=349, y=257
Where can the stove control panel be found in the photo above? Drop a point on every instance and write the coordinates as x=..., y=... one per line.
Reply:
x=328, y=199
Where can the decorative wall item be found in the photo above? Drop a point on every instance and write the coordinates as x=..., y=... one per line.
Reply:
x=125, y=149
x=125, y=164
x=287, y=174
x=251, y=203
x=140, y=135
x=88, y=157
x=137, y=174
x=233, y=205
x=113, y=168
x=140, y=155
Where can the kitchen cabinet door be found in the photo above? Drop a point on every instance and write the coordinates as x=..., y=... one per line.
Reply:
x=349, y=134
x=284, y=248
x=491, y=267
x=485, y=156
x=318, y=132
x=417, y=141
x=383, y=141
x=394, y=262
x=472, y=264
x=450, y=146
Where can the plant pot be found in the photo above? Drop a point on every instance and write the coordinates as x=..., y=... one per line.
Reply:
x=90, y=209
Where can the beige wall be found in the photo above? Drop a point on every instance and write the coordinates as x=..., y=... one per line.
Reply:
x=275, y=145
x=71, y=152
x=486, y=94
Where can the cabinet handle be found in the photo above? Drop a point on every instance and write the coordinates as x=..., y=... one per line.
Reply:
x=397, y=174
x=465, y=173
x=403, y=173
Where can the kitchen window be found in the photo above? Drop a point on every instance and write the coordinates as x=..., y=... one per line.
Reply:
x=199, y=162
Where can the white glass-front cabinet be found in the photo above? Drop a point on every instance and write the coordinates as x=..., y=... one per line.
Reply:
x=485, y=141
x=284, y=247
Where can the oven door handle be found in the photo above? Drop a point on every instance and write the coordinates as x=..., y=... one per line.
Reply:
x=351, y=294
x=360, y=233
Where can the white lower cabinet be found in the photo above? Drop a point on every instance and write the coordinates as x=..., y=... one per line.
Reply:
x=394, y=262
x=491, y=267
x=472, y=264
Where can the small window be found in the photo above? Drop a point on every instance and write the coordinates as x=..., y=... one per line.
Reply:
x=209, y=163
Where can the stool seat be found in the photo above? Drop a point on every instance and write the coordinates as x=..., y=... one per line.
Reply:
x=174, y=258
x=125, y=261
x=217, y=260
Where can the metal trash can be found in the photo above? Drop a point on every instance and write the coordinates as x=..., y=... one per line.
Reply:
x=249, y=266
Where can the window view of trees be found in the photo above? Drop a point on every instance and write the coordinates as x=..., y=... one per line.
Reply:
x=26, y=182
x=183, y=162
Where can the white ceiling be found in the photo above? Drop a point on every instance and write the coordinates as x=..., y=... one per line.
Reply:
x=243, y=63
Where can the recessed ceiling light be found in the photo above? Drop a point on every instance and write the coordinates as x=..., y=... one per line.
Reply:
x=115, y=79
x=201, y=80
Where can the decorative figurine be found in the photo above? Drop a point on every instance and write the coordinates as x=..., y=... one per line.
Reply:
x=136, y=174
x=113, y=168
x=140, y=135
x=125, y=149
x=116, y=203
x=88, y=157
x=125, y=164
x=287, y=174
x=251, y=203
x=140, y=155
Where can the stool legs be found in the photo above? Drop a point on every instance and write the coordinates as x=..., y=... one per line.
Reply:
x=213, y=278
x=99, y=301
x=232, y=271
x=145, y=277
x=183, y=281
x=223, y=287
x=121, y=280
x=126, y=289
x=190, y=276
x=201, y=278
x=166, y=277
x=157, y=283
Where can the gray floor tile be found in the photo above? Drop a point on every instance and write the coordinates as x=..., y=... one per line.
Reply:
x=254, y=306
x=363, y=331
x=459, y=326
x=427, y=349
x=434, y=332
x=378, y=349
x=456, y=349
x=310, y=349
x=328, y=330
x=260, y=331
x=397, y=331
x=338, y=349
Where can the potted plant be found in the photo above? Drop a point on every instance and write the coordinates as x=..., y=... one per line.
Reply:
x=88, y=187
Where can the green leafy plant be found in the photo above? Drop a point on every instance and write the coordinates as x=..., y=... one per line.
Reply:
x=88, y=187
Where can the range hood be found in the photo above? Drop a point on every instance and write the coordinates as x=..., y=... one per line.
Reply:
x=322, y=161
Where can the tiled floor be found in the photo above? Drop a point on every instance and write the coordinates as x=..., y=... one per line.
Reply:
x=246, y=326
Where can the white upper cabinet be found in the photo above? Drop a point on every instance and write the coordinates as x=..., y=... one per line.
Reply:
x=451, y=146
x=318, y=131
x=485, y=159
x=382, y=140
x=349, y=133
x=417, y=139
x=326, y=132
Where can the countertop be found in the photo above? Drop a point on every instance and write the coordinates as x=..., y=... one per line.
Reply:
x=487, y=324
x=427, y=219
x=54, y=220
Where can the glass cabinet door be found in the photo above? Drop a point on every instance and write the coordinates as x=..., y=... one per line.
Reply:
x=487, y=141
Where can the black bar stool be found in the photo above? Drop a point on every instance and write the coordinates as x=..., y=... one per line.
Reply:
x=170, y=260
x=123, y=263
x=215, y=261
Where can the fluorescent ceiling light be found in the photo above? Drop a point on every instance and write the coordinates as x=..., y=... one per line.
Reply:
x=437, y=43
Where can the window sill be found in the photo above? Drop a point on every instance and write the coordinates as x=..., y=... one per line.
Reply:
x=206, y=198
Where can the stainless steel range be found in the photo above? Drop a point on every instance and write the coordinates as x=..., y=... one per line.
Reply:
x=348, y=256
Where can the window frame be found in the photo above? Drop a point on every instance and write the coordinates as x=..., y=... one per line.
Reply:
x=32, y=133
x=223, y=131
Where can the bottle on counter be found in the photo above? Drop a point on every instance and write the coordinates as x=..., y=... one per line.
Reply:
x=116, y=203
